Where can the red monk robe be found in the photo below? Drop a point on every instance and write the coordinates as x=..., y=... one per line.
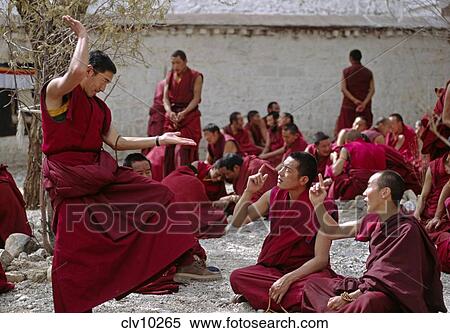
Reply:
x=299, y=145
x=216, y=150
x=251, y=166
x=290, y=244
x=180, y=95
x=256, y=133
x=432, y=145
x=410, y=147
x=5, y=286
x=364, y=160
x=396, y=162
x=101, y=251
x=191, y=197
x=441, y=239
x=246, y=146
x=13, y=218
x=392, y=282
x=276, y=142
x=157, y=113
x=357, y=79
x=156, y=158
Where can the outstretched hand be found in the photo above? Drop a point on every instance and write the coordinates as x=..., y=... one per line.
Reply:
x=76, y=26
x=256, y=182
x=174, y=138
x=318, y=192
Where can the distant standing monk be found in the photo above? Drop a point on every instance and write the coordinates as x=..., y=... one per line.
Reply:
x=182, y=95
x=358, y=88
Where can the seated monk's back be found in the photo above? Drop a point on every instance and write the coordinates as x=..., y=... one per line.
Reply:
x=364, y=155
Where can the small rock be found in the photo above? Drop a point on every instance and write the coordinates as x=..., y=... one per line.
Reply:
x=34, y=257
x=23, y=298
x=23, y=256
x=31, y=246
x=42, y=253
x=37, y=275
x=15, y=277
x=15, y=244
x=5, y=258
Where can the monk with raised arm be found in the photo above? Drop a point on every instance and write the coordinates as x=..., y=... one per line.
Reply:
x=101, y=250
x=293, y=252
x=392, y=281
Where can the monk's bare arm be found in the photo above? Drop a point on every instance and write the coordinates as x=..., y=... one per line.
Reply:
x=331, y=228
x=230, y=147
x=61, y=86
x=246, y=211
x=267, y=146
x=338, y=166
x=318, y=262
x=370, y=94
x=347, y=93
x=198, y=84
x=279, y=151
x=166, y=100
x=117, y=142
x=424, y=194
x=209, y=159
x=379, y=140
x=400, y=142
x=446, y=112
x=445, y=193
x=340, y=141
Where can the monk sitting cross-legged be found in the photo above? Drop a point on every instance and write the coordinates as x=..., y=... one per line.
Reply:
x=218, y=143
x=402, y=272
x=293, y=252
x=241, y=135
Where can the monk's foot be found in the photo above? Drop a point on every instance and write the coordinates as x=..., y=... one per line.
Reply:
x=238, y=298
x=197, y=271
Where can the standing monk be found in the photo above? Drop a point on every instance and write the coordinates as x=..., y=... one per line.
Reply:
x=157, y=113
x=101, y=250
x=358, y=88
x=182, y=95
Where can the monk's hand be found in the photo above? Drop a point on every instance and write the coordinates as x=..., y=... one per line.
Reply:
x=327, y=183
x=256, y=182
x=361, y=107
x=76, y=26
x=181, y=116
x=279, y=288
x=318, y=192
x=433, y=224
x=357, y=102
x=172, y=116
x=336, y=303
x=174, y=138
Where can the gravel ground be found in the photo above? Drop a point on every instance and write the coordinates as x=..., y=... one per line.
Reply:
x=232, y=251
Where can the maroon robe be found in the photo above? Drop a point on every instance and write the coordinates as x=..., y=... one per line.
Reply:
x=372, y=134
x=299, y=145
x=157, y=113
x=396, y=162
x=256, y=133
x=13, y=218
x=364, y=159
x=322, y=162
x=214, y=189
x=441, y=239
x=410, y=148
x=246, y=146
x=431, y=144
x=392, y=281
x=111, y=230
x=180, y=95
x=357, y=78
x=250, y=167
x=290, y=244
x=216, y=150
x=276, y=142
x=156, y=158
x=191, y=197
x=5, y=286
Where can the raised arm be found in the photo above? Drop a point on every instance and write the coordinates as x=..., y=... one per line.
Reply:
x=424, y=194
x=78, y=66
x=338, y=166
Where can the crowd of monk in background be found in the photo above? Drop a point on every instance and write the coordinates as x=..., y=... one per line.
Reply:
x=275, y=173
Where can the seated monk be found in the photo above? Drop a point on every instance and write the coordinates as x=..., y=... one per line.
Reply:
x=433, y=145
x=211, y=179
x=139, y=163
x=403, y=138
x=293, y=142
x=236, y=170
x=357, y=161
x=274, y=139
x=293, y=252
x=377, y=134
x=5, y=286
x=402, y=272
x=13, y=218
x=218, y=143
x=102, y=251
x=242, y=136
x=256, y=129
x=321, y=150
x=360, y=125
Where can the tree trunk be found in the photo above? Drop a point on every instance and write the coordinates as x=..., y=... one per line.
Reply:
x=33, y=179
